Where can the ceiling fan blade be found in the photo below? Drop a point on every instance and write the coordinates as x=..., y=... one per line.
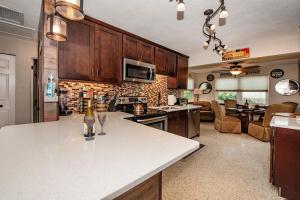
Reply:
x=180, y=15
x=221, y=71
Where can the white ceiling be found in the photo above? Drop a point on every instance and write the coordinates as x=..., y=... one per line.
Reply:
x=156, y=19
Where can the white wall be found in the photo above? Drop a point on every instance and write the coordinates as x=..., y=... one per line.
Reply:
x=24, y=50
x=291, y=69
x=270, y=45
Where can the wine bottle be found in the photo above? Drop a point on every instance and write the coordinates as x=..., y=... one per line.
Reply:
x=89, y=121
x=246, y=104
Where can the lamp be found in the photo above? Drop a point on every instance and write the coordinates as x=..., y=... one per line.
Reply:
x=70, y=9
x=224, y=13
x=197, y=92
x=56, y=28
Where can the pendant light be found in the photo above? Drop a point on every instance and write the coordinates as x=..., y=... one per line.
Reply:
x=56, y=28
x=235, y=72
x=70, y=9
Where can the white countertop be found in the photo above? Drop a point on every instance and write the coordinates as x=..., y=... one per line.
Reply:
x=177, y=108
x=285, y=122
x=53, y=161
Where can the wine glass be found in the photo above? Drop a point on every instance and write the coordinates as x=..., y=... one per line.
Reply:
x=102, y=119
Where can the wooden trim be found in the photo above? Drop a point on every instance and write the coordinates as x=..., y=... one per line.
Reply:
x=91, y=19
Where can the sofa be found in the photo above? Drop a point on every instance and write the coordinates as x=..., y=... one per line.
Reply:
x=206, y=112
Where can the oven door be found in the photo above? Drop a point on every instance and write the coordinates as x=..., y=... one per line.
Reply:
x=138, y=71
x=156, y=122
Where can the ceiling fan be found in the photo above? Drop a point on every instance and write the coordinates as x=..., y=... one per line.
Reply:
x=237, y=69
x=180, y=9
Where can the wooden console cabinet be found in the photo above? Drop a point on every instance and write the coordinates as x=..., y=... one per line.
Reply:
x=285, y=162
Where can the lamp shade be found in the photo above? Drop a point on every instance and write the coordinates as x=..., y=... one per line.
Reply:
x=56, y=28
x=70, y=9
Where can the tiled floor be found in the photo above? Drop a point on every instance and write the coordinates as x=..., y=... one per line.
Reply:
x=229, y=167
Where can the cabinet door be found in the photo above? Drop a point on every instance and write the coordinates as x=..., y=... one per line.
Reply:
x=130, y=47
x=177, y=123
x=182, y=72
x=108, y=55
x=76, y=55
x=146, y=52
x=171, y=64
x=160, y=61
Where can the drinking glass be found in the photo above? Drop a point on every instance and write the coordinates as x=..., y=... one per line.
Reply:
x=102, y=119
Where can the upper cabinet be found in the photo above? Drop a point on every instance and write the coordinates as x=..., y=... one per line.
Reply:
x=165, y=61
x=180, y=81
x=171, y=64
x=108, y=55
x=182, y=72
x=76, y=55
x=136, y=49
x=94, y=51
x=160, y=61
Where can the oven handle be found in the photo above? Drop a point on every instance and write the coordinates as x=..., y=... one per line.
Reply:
x=152, y=119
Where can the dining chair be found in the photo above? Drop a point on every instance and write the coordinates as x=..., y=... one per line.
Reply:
x=230, y=103
x=293, y=106
x=261, y=129
x=223, y=123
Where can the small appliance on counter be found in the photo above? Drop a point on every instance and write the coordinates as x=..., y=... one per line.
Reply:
x=138, y=107
x=63, y=108
x=171, y=100
x=182, y=101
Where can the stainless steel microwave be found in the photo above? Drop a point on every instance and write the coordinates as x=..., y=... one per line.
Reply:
x=138, y=71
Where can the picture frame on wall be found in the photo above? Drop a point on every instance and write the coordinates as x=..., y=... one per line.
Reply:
x=277, y=73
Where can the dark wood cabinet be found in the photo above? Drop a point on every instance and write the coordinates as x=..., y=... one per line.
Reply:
x=180, y=80
x=130, y=47
x=160, y=61
x=182, y=72
x=178, y=123
x=171, y=64
x=76, y=55
x=166, y=63
x=136, y=49
x=285, y=162
x=108, y=55
x=146, y=52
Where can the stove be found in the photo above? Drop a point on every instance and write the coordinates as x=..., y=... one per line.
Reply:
x=150, y=117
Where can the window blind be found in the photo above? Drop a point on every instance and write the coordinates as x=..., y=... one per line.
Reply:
x=247, y=83
x=226, y=84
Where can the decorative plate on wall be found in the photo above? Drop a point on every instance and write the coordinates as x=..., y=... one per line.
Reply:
x=210, y=77
x=277, y=73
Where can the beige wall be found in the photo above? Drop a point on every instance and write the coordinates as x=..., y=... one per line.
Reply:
x=24, y=50
x=291, y=69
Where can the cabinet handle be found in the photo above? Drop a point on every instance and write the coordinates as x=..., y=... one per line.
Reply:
x=97, y=72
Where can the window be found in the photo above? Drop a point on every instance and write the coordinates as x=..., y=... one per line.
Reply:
x=251, y=88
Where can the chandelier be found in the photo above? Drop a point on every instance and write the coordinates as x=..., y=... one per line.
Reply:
x=209, y=28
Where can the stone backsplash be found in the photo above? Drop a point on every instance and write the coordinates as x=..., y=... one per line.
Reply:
x=125, y=89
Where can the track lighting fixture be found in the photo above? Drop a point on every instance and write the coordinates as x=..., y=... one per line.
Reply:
x=209, y=29
x=224, y=13
x=180, y=6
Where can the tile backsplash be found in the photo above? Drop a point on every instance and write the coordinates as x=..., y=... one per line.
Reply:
x=125, y=89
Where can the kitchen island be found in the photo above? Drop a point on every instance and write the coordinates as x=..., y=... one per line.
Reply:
x=53, y=161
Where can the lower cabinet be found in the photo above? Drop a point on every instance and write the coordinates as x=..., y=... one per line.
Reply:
x=178, y=123
x=285, y=162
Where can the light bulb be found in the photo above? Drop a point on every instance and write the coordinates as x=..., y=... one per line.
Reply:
x=212, y=27
x=180, y=7
x=225, y=47
x=205, y=44
x=224, y=14
x=220, y=52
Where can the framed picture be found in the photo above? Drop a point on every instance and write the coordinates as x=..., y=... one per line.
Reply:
x=210, y=77
x=277, y=73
